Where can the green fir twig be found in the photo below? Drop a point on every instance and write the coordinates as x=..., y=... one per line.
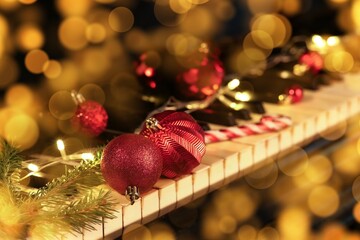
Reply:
x=10, y=161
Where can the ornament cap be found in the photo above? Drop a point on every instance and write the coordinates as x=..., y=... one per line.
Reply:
x=132, y=193
x=153, y=124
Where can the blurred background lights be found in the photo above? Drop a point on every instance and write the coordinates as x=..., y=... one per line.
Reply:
x=61, y=105
x=72, y=33
x=22, y=131
x=19, y=96
x=74, y=8
x=52, y=69
x=121, y=19
x=29, y=37
x=247, y=231
x=268, y=233
x=35, y=61
x=323, y=201
x=95, y=33
x=294, y=223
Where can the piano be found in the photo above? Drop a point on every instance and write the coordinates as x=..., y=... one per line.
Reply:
x=320, y=112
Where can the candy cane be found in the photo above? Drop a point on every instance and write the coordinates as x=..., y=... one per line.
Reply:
x=268, y=123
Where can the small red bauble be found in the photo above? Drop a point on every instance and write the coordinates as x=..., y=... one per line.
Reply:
x=131, y=164
x=295, y=93
x=203, y=79
x=90, y=118
x=313, y=60
x=180, y=139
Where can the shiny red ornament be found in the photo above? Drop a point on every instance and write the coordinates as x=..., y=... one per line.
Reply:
x=145, y=72
x=202, y=81
x=295, y=93
x=180, y=139
x=90, y=118
x=313, y=60
x=131, y=164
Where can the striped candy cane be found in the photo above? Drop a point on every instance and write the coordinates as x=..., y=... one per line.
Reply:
x=268, y=123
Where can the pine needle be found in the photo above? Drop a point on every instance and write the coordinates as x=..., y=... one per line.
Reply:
x=10, y=161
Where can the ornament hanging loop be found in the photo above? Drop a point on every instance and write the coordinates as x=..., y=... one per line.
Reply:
x=132, y=193
x=153, y=124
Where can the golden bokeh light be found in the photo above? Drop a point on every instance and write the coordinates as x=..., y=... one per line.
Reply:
x=227, y=224
x=263, y=177
x=197, y=2
x=180, y=6
x=138, y=41
x=95, y=33
x=205, y=25
x=247, y=232
x=27, y=1
x=93, y=92
x=160, y=231
x=293, y=163
x=294, y=223
x=323, y=201
x=94, y=64
x=35, y=61
x=29, y=37
x=74, y=8
x=356, y=189
x=9, y=4
x=68, y=78
x=291, y=7
x=7, y=113
x=264, y=6
x=165, y=15
x=339, y=61
x=333, y=231
x=182, y=44
x=19, y=96
x=136, y=231
x=62, y=105
x=319, y=169
x=356, y=212
x=268, y=233
x=262, y=39
x=121, y=19
x=22, y=131
x=277, y=26
x=224, y=10
x=9, y=71
x=52, y=69
x=349, y=165
x=253, y=51
x=67, y=127
x=72, y=33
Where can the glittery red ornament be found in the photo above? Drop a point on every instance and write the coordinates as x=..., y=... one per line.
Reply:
x=313, y=60
x=201, y=81
x=90, y=118
x=180, y=139
x=131, y=162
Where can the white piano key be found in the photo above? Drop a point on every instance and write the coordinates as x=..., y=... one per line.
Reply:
x=229, y=151
x=200, y=176
x=132, y=213
x=150, y=206
x=167, y=195
x=216, y=171
x=184, y=190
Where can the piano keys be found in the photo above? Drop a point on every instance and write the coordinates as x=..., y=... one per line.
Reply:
x=319, y=112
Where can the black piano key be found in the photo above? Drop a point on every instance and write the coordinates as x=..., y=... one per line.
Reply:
x=215, y=117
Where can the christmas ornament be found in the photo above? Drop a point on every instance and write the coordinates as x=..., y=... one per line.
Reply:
x=90, y=117
x=268, y=123
x=313, y=60
x=131, y=164
x=180, y=139
x=145, y=69
x=203, y=80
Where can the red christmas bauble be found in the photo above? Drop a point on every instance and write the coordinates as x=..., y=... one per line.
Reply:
x=131, y=160
x=180, y=139
x=90, y=118
x=202, y=81
x=295, y=93
x=313, y=60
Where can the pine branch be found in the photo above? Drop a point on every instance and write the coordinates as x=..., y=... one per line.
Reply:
x=88, y=210
x=10, y=161
x=84, y=176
